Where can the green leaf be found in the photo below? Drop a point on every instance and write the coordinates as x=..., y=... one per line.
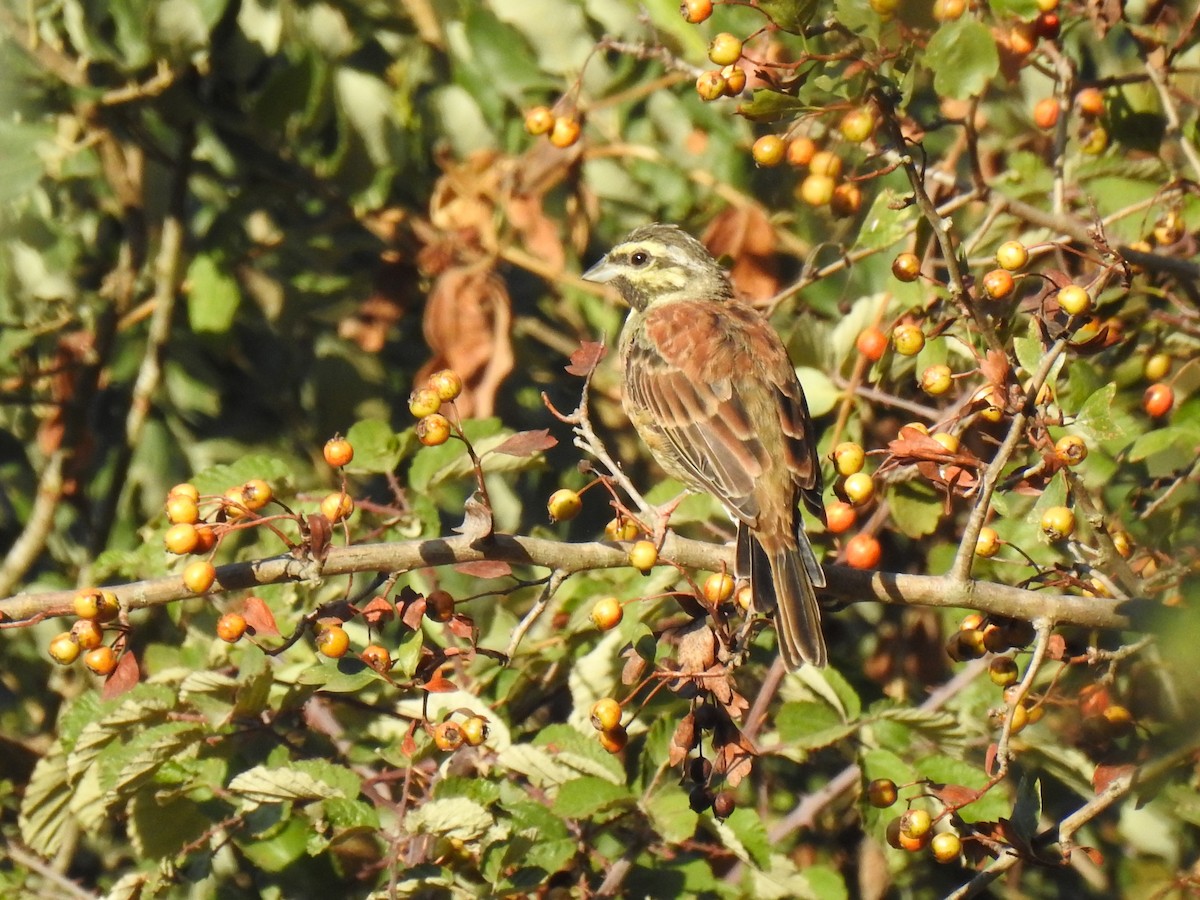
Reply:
x=669, y=813
x=1160, y=440
x=213, y=297
x=1027, y=808
x=834, y=689
x=299, y=780
x=45, y=818
x=962, y=56
x=766, y=105
x=789, y=15
x=1095, y=417
x=819, y=390
x=456, y=818
x=583, y=798
x=745, y=834
x=943, y=769
x=218, y=479
x=810, y=725
x=885, y=225
x=916, y=508
x=377, y=448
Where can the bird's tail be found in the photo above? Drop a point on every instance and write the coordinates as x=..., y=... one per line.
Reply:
x=782, y=578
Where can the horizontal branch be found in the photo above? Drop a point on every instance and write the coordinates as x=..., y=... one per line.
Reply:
x=845, y=584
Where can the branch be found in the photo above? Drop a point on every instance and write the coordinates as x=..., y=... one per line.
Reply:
x=846, y=584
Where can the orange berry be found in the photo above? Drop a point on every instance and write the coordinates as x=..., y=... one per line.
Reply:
x=871, y=343
x=800, y=151
x=998, y=284
x=906, y=267
x=433, y=430
x=769, y=150
x=840, y=517
x=181, y=538
x=696, y=11
x=182, y=510
x=539, y=120
x=817, y=190
x=1090, y=102
x=711, y=85
x=102, y=660
x=337, y=506
x=199, y=575
x=333, y=642
x=988, y=543
x=882, y=793
x=863, y=551
x=565, y=132
x=607, y=613
x=1158, y=400
x=614, y=740
x=447, y=384
x=1045, y=113
x=1070, y=450
x=448, y=736
x=256, y=494
x=88, y=634
x=826, y=162
x=377, y=657
x=338, y=452
x=718, y=587
x=606, y=714
x=846, y=199
x=231, y=626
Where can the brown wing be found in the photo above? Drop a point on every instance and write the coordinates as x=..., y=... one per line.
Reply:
x=718, y=387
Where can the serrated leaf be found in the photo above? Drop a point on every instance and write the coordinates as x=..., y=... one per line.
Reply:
x=963, y=58
x=45, y=807
x=884, y=224
x=942, y=727
x=377, y=448
x=125, y=767
x=1095, y=417
x=670, y=814
x=944, y=769
x=299, y=780
x=745, y=834
x=916, y=509
x=810, y=725
x=454, y=818
x=583, y=798
x=789, y=15
x=766, y=105
x=836, y=690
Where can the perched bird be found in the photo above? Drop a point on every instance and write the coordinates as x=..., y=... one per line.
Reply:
x=711, y=390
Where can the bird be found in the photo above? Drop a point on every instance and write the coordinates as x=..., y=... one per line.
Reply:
x=710, y=389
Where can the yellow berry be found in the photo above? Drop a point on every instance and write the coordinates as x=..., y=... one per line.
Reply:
x=643, y=555
x=564, y=505
x=606, y=714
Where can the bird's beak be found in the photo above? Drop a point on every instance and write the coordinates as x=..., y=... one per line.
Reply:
x=601, y=273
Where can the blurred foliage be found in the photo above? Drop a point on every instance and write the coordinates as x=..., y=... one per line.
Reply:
x=234, y=229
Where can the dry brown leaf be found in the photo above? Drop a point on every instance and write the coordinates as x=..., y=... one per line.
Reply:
x=468, y=319
x=744, y=234
x=538, y=232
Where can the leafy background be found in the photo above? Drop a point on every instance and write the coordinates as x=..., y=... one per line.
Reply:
x=233, y=229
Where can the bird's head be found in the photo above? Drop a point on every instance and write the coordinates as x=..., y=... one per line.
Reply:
x=659, y=264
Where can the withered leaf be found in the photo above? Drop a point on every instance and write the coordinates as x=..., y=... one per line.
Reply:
x=682, y=740
x=527, y=443
x=477, y=524
x=1104, y=775
x=123, y=678
x=259, y=617
x=586, y=358
x=485, y=568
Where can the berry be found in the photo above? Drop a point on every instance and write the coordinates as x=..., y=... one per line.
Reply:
x=946, y=847
x=1158, y=400
x=1003, y=671
x=826, y=162
x=206, y=538
x=1045, y=113
x=840, y=517
x=859, y=488
x=700, y=799
x=856, y=126
x=801, y=151
x=606, y=714
x=1022, y=38
x=1020, y=718
x=885, y=8
x=724, y=804
x=916, y=823
x=88, y=634
x=1070, y=450
x=1012, y=255
x=908, y=339
x=234, y=503
x=882, y=793
x=1122, y=543
x=424, y=402
x=474, y=730
x=101, y=661
x=948, y=441
x=696, y=11
x=863, y=552
x=332, y=641
x=448, y=737
x=735, y=80
x=621, y=530
x=231, y=626
x=906, y=267
x=711, y=85
x=377, y=657
x=848, y=458
x=439, y=606
x=998, y=284
x=564, y=505
x=718, y=587
x=987, y=544
x=614, y=740
x=892, y=833
x=949, y=10
x=338, y=452
x=1157, y=367
x=871, y=343
x=184, y=490
x=846, y=199
x=1095, y=141
x=199, y=575
x=643, y=555
x=94, y=603
x=1058, y=522
x=725, y=49
x=817, y=190
x=539, y=120
x=256, y=493
x=1074, y=299
x=433, y=430
x=337, y=506
x=565, y=132
x=607, y=613
x=64, y=649
x=181, y=538
x=936, y=380
x=1090, y=102
x=769, y=150
x=182, y=510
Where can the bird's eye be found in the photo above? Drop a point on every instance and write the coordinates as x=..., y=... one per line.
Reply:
x=639, y=258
